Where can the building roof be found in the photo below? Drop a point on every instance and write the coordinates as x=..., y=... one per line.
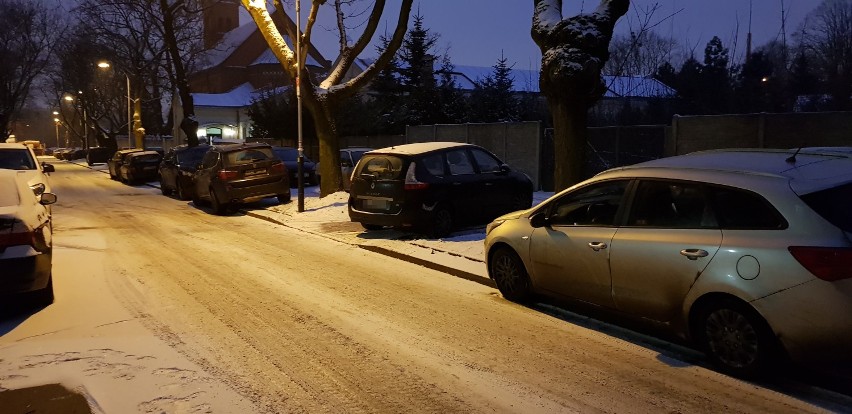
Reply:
x=240, y=96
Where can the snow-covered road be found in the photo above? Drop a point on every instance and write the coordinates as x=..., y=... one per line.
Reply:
x=162, y=307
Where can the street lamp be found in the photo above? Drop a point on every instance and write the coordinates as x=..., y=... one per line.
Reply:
x=134, y=112
x=301, y=159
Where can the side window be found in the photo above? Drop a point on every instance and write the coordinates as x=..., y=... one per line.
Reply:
x=594, y=205
x=459, y=163
x=434, y=163
x=345, y=159
x=671, y=204
x=741, y=209
x=210, y=159
x=486, y=162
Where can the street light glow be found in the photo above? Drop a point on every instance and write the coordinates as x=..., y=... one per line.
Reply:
x=103, y=65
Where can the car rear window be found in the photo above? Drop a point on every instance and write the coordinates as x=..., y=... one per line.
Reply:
x=381, y=167
x=248, y=156
x=17, y=159
x=147, y=158
x=833, y=205
x=191, y=156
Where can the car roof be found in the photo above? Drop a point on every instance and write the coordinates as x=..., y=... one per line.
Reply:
x=419, y=148
x=238, y=147
x=140, y=153
x=807, y=170
x=15, y=145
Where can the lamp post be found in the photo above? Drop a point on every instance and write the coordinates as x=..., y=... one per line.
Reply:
x=56, y=123
x=134, y=114
x=301, y=158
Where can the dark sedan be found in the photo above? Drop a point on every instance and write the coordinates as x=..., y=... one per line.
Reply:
x=178, y=168
x=139, y=167
x=114, y=163
x=290, y=156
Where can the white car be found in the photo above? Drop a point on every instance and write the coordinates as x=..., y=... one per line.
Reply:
x=26, y=241
x=21, y=158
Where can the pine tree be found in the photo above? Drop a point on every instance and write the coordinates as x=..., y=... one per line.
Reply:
x=494, y=98
x=417, y=74
x=453, y=103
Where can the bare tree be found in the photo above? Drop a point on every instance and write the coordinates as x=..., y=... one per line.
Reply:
x=323, y=97
x=28, y=34
x=574, y=51
x=827, y=36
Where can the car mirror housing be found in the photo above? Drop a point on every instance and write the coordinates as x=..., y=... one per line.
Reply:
x=48, y=167
x=539, y=220
x=47, y=198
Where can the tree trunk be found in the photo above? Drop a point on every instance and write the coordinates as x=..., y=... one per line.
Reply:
x=329, y=142
x=188, y=125
x=569, y=140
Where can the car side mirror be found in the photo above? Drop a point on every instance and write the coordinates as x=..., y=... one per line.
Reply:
x=48, y=167
x=47, y=198
x=505, y=169
x=539, y=220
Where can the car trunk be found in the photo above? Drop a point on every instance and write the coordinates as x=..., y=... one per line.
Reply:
x=378, y=185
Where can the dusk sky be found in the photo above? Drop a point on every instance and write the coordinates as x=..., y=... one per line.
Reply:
x=476, y=31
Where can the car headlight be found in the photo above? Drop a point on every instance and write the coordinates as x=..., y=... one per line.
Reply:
x=493, y=225
x=38, y=189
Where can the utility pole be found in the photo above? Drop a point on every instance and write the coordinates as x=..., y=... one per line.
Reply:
x=301, y=159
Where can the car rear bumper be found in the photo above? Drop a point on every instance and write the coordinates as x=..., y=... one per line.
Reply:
x=410, y=214
x=252, y=193
x=816, y=333
x=25, y=274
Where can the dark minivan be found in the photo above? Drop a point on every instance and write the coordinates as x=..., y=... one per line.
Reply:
x=434, y=186
x=240, y=173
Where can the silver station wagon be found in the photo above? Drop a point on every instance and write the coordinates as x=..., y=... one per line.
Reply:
x=748, y=253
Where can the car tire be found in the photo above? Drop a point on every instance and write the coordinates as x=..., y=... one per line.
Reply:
x=736, y=338
x=284, y=198
x=218, y=207
x=181, y=191
x=521, y=201
x=510, y=275
x=44, y=297
x=442, y=222
x=371, y=227
x=163, y=189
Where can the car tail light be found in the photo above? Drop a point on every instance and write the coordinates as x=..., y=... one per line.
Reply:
x=826, y=263
x=228, y=175
x=411, y=182
x=279, y=168
x=13, y=232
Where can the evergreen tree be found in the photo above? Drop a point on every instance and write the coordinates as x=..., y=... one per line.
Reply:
x=417, y=75
x=494, y=98
x=453, y=103
x=386, y=94
x=804, y=88
x=715, y=78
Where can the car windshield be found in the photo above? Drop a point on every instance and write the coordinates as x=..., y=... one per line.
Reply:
x=249, y=155
x=191, y=156
x=147, y=158
x=833, y=205
x=17, y=159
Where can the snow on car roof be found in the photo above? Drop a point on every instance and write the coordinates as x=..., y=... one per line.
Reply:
x=419, y=148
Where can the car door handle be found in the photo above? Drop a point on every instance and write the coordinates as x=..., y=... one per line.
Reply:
x=694, y=254
x=597, y=246
x=489, y=184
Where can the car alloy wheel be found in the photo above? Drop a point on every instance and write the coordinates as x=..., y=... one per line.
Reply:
x=442, y=222
x=509, y=274
x=736, y=339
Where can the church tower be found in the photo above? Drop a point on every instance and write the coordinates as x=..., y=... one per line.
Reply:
x=220, y=17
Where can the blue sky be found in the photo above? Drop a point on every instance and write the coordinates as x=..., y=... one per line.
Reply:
x=476, y=32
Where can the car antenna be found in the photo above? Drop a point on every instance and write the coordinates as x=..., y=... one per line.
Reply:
x=792, y=159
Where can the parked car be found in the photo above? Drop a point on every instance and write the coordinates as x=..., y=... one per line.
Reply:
x=290, y=156
x=240, y=173
x=348, y=159
x=748, y=253
x=26, y=242
x=19, y=157
x=114, y=163
x=140, y=167
x=433, y=186
x=99, y=155
x=177, y=169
